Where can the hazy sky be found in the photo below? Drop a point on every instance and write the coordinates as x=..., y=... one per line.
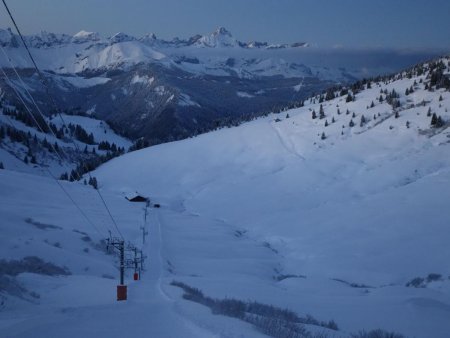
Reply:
x=350, y=23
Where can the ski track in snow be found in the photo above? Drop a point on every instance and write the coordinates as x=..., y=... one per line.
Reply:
x=289, y=146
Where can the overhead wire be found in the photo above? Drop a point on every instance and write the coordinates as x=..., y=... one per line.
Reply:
x=37, y=107
x=46, y=85
x=48, y=126
x=48, y=170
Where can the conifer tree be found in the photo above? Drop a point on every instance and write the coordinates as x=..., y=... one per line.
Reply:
x=330, y=95
x=363, y=121
x=321, y=112
x=434, y=120
x=93, y=182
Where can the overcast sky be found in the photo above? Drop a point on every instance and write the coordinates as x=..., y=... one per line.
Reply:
x=349, y=23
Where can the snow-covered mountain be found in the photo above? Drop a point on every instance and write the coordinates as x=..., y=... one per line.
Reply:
x=222, y=77
x=220, y=38
x=63, y=54
x=336, y=210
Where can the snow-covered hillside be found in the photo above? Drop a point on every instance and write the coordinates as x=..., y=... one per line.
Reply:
x=340, y=217
x=364, y=207
x=71, y=139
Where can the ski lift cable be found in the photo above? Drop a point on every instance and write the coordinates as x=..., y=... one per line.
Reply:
x=29, y=110
x=45, y=83
x=32, y=116
x=37, y=107
x=48, y=170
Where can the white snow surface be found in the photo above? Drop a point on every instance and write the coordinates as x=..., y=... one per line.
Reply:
x=81, y=82
x=266, y=211
x=100, y=129
x=146, y=80
x=83, y=304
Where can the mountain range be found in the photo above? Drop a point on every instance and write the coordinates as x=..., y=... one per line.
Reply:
x=163, y=90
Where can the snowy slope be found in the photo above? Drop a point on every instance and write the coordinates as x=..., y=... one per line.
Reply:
x=100, y=129
x=13, y=153
x=366, y=207
x=39, y=220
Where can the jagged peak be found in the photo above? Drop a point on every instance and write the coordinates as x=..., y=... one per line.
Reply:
x=221, y=37
x=222, y=31
x=150, y=36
